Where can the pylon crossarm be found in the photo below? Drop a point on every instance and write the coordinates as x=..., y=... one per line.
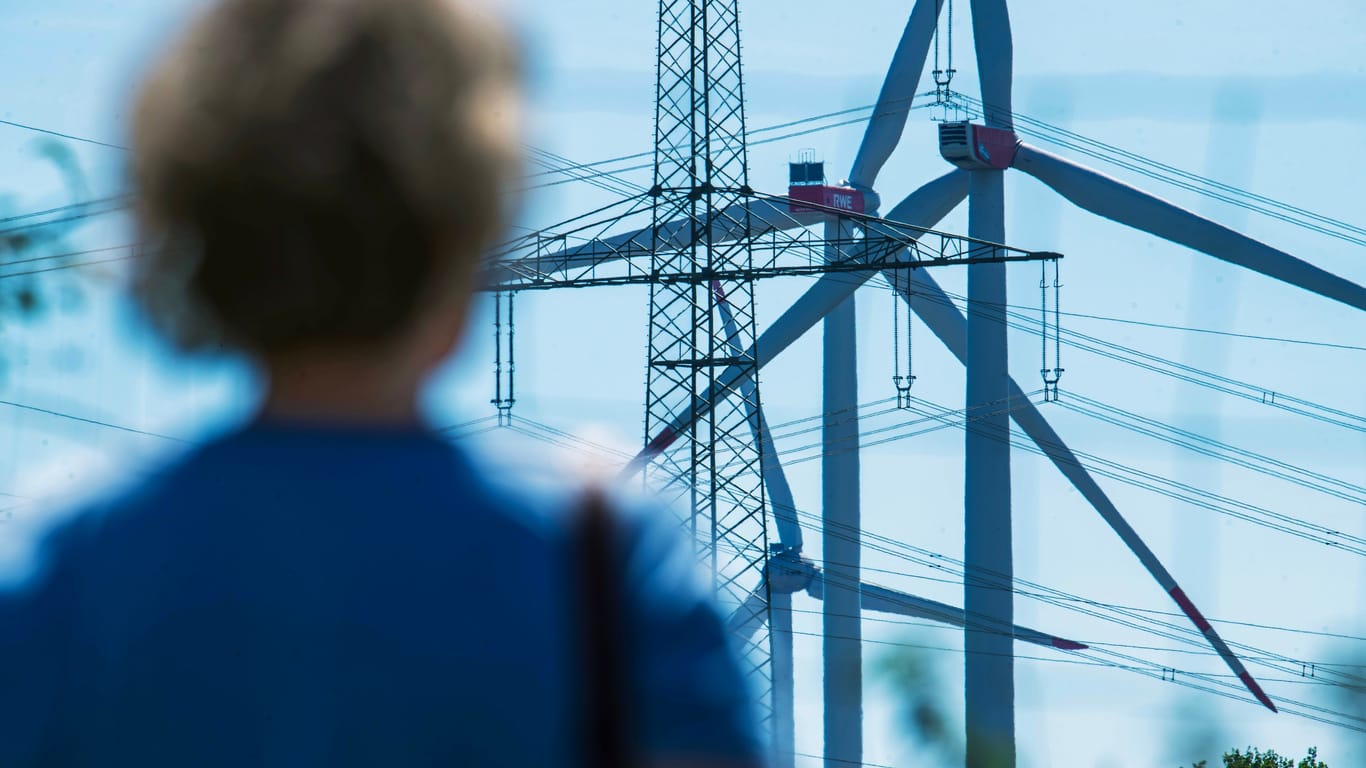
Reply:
x=772, y=228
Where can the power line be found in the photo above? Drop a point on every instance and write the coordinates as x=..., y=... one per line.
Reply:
x=1210, y=683
x=813, y=517
x=841, y=760
x=1232, y=334
x=1178, y=491
x=62, y=220
x=1116, y=614
x=752, y=142
x=85, y=420
x=1168, y=174
x=65, y=208
x=1032, y=126
x=67, y=255
x=1184, y=328
x=1090, y=147
x=60, y=135
x=1190, y=374
x=895, y=620
x=1213, y=448
x=76, y=265
x=893, y=104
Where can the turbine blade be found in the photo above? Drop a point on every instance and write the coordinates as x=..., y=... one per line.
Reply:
x=929, y=301
x=750, y=614
x=894, y=100
x=1117, y=201
x=875, y=598
x=924, y=207
x=995, y=60
x=775, y=479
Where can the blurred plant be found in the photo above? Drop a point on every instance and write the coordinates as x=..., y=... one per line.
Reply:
x=1255, y=758
x=1351, y=694
x=1195, y=731
x=911, y=674
x=34, y=251
x=912, y=677
x=25, y=292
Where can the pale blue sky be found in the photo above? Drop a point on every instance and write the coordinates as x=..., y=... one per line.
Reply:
x=1262, y=95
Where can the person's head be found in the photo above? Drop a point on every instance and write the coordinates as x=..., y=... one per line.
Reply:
x=319, y=177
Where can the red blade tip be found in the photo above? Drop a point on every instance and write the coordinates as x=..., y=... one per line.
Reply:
x=1257, y=691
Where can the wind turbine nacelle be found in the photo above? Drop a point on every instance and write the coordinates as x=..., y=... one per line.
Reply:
x=977, y=147
x=841, y=199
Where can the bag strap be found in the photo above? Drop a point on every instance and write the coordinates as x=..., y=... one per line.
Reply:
x=600, y=583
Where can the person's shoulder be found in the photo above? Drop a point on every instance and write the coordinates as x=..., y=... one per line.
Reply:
x=64, y=518
x=541, y=489
x=535, y=493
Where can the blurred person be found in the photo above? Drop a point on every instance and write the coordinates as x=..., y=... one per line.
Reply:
x=332, y=583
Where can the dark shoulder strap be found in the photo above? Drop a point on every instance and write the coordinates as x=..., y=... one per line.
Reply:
x=600, y=580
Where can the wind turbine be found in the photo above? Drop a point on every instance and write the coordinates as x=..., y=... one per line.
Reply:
x=983, y=153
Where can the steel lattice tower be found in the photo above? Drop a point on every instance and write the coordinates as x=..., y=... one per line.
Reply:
x=699, y=171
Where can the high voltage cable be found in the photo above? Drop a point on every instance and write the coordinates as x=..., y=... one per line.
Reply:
x=76, y=265
x=1147, y=426
x=1182, y=634
x=67, y=255
x=1172, y=327
x=766, y=129
x=85, y=420
x=64, y=208
x=1114, y=470
x=1039, y=128
x=813, y=517
x=1221, y=682
x=1099, y=603
x=476, y=422
x=1193, y=177
x=1184, y=179
x=937, y=561
x=88, y=263
x=1097, y=149
x=1077, y=340
x=1210, y=654
x=559, y=164
x=1327, y=220
x=1178, y=491
x=1199, y=650
x=1179, y=634
x=1232, y=334
x=1243, y=458
x=841, y=761
x=1132, y=476
x=753, y=142
x=117, y=206
x=1187, y=636
x=59, y=134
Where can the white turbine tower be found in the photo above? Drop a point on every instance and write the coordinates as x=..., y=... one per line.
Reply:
x=983, y=153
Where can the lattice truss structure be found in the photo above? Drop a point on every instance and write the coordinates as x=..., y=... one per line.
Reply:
x=699, y=238
x=708, y=456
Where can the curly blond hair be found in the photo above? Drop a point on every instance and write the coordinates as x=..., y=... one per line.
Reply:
x=313, y=172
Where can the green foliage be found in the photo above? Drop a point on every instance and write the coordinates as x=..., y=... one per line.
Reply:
x=1255, y=758
x=911, y=675
x=31, y=249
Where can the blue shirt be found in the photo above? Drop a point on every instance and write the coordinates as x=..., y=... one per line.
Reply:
x=306, y=596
